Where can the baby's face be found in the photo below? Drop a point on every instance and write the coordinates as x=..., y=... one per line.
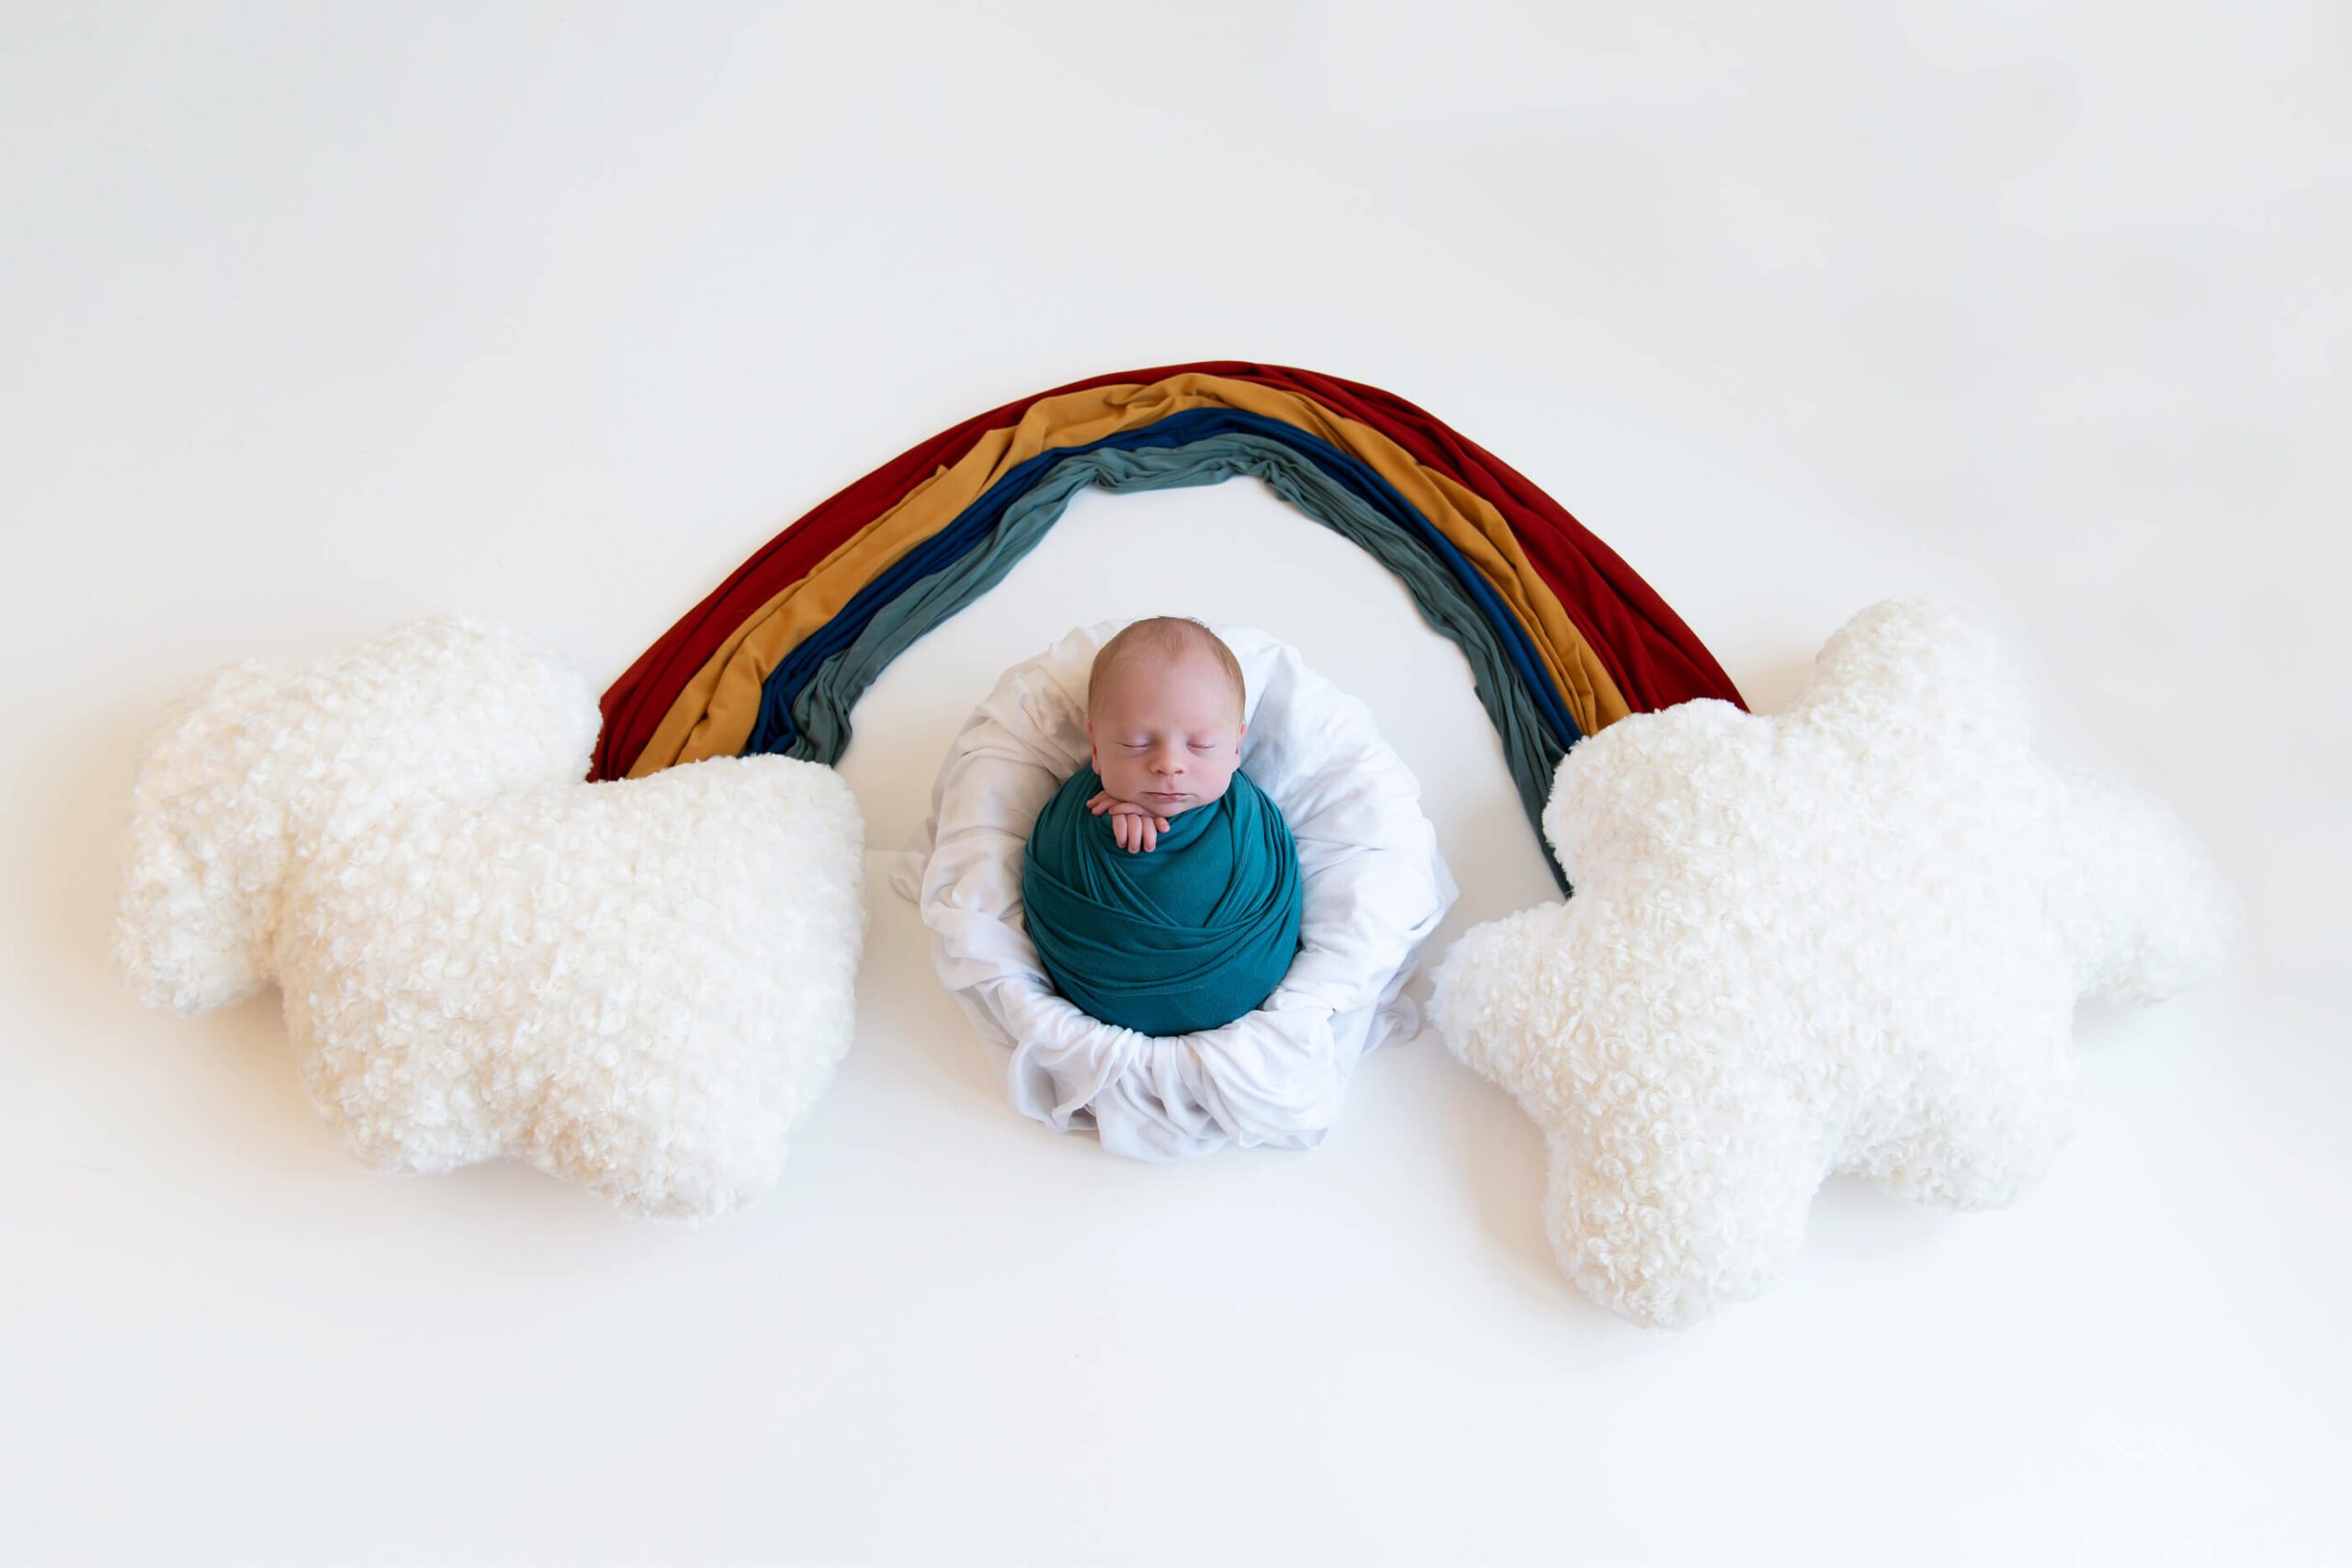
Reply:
x=1165, y=733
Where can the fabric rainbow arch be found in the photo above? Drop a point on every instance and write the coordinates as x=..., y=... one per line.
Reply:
x=1562, y=637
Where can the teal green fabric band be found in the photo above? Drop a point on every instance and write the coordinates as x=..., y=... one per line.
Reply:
x=1188, y=935
x=822, y=709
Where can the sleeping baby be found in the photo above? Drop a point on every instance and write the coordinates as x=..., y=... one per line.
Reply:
x=1160, y=885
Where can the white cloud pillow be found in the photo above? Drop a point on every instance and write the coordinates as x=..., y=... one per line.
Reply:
x=1849, y=938
x=1375, y=888
x=635, y=986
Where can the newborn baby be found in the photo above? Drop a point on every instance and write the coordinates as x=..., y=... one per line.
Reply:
x=1161, y=885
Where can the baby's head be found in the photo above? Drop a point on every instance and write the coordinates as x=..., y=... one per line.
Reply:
x=1163, y=713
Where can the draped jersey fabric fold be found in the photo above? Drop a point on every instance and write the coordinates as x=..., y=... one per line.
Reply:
x=1562, y=637
x=1188, y=935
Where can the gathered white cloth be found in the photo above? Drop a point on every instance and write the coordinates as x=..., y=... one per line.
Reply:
x=1374, y=889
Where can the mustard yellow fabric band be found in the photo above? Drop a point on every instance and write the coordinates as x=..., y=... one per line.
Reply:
x=715, y=713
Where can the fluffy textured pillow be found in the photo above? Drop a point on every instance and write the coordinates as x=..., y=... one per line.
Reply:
x=1375, y=888
x=634, y=986
x=1846, y=939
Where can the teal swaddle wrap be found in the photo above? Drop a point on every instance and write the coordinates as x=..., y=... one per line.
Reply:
x=1188, y=935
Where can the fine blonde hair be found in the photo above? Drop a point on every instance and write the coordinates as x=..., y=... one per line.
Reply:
x=1165, y=636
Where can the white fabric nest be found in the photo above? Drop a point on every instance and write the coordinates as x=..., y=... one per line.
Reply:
x=634, y=986
x=1375, y=887
x=1846, y=939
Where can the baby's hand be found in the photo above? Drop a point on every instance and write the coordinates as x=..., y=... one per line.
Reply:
x=1131, y=827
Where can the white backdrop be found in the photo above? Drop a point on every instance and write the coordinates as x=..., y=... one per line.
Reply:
x=317, y=318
